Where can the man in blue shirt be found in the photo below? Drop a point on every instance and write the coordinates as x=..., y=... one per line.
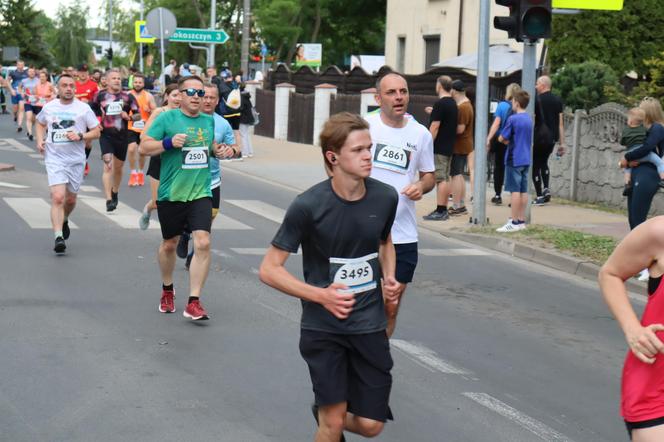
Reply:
x=15, y=77
x=518, y=135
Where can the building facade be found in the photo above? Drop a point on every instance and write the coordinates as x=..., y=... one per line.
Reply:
x=420, y=33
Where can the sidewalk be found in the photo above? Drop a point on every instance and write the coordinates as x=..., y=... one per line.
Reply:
x=299, y=166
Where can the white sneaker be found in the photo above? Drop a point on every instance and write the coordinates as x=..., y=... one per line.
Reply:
x=644, y=275
x=144, y=220
x=509, y=227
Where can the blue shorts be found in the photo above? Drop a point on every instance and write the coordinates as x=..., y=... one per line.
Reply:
x=516, y=179
x=16, y=99
x=406, y=262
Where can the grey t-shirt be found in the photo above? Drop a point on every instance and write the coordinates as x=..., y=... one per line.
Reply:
x=340, y=241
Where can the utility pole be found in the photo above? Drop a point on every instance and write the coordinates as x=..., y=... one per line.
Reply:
x=140, y=45
x=213, y=25
x=110, y=31
x=246, y=36
x=528, y=73
x=481, y=117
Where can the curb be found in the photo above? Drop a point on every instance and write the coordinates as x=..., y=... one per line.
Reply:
x=564, y=263
x=4, y=167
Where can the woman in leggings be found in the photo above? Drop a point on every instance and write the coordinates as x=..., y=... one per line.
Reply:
x=645, y=179
x=642, y=398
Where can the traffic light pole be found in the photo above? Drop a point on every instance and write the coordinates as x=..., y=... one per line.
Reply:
x=482, y=117
x=110, y=33
x=528, y=74
x=140, y=45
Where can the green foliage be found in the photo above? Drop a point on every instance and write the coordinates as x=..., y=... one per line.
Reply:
x=71, y=46
x=20, y=25
x=654, y=86
x=585, y=85
x=622, y=39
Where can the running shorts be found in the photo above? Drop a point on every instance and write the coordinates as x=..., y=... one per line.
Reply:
x=71, y=174
x=115, y=143
x=176, y=216
x=406, y=262
x=458, y=164
x=154, y=167
x=631, y=426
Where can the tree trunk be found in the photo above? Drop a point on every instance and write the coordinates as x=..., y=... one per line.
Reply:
x=316, y=30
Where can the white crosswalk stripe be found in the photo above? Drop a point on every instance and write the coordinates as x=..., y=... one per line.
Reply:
x=124, y=216
x=260, y=208
x=224, y=222
x=34, y=211
x=14, y=145
x=258, y=251
x=13, y=186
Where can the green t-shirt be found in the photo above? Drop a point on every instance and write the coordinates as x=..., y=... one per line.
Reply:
x=185, y=172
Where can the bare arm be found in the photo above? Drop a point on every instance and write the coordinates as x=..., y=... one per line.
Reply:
x=40, y=132
x=435, y=126
x=492, y=131
x=388, y=259
x=642, y=248
x=460, y=128
x=273, y=273
x=415, y=191
x=561, y=129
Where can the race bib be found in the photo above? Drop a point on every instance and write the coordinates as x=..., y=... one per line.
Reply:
x=60, y=136
x=356, y=273
x=396, y=159
x=32, y=99
x=114, y=108
x=139, y=125
x=42, y=101
x=195, y=157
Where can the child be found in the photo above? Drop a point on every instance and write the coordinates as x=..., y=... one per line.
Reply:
x=518, y=132
x=633, y=137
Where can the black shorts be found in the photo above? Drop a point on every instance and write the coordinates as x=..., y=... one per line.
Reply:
x=406, y=262
x=154, y=167
x=133, y=137
x=37, y=109
x=216, y=197
x=458, y=164
x=115, y=144
x=631, y=426
x=350, y=368
x=175, y=216
x=234, y=121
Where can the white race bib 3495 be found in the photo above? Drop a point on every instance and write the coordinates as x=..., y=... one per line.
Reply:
x=355, y=273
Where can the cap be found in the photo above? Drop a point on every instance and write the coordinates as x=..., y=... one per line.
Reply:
x=458, y=85
x=185, y=65
x=82, y=67
x=226, y=74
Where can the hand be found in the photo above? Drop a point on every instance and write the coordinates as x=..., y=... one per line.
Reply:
x=633, y=164
x=72, y=136
x=41, y=145
x=179, y=140
x=223, y=151
x=428, y=109
x=644, y=343
x=125, y=116
x=391, y=290
x=413, y=192
x=622, y=163
x=338, y=303
x=488, y=145
x=561, y=150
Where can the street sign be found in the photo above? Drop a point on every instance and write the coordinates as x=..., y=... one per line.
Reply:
x=192, y=35
x=606, y=5
x=10, y=53
x=161, y=28
x=142, y=34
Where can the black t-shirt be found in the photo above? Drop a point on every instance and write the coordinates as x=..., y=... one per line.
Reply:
x=445, y=110
x=334, y=233
x=552, y=106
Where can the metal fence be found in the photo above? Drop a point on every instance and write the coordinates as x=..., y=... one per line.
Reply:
x=301, y=118
x=265, y=107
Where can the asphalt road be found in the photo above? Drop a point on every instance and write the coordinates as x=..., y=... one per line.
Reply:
x=487, y=348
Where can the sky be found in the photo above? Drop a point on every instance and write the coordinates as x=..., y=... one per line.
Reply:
x=50, y=7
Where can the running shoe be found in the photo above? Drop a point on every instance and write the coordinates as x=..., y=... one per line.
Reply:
x=497, y=200
x=141, y=179
x=238, y=158
x=19, y=129
x=110, y=205
x=133, y=179
x=65, y=230
x=457, y=211
x=539, y=201
x=60, y=245
x=87, y=169
x=195, y=311
x=510, y=227
x=166, y=304
x=437, y=216
x=547, y=195
x=183, y=246
x=114, y=197
x=144, y=220
x=30, y=137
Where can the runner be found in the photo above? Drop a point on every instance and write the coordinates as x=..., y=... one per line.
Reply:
x=223, y=134
x=15, y=77
x=63, y=126
x=86, y=89
x=642, y=402
x=147, y=105
x=28, y=90
x=45, y=92
x=403, y=158
x=343, y=225
x=171, y=101
x=114, y=106
x=184, y=137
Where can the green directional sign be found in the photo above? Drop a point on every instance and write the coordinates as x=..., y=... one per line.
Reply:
x=199, y=35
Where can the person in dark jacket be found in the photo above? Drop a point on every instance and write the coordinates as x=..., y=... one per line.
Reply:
x=246, y=121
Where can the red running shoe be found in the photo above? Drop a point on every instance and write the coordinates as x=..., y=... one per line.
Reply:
x=195, y=311
x=87, y=169
x=166, y=304
x=141, y=178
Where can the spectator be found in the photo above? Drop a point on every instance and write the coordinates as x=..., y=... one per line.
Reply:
x=184, y=70
x=463, y=146
x=246, y=121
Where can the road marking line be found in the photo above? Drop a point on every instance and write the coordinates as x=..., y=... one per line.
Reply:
x=536, y=427
x=13, y=186
x=265, y=210
x=259, y=251
x=18, y=145
x=223, y=222
x=124, y=216
x=454, y=252
x=90, y=189
x=36, y=155
x=34, y=211
x=426, y=357
x=220, y=253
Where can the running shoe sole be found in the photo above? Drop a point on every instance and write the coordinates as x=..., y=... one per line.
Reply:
x=195, y=318
x=60, y=248
x=165, y=311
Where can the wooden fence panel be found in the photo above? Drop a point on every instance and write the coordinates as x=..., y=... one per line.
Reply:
x=265, y=107
x=345, y=103
x=301, y=118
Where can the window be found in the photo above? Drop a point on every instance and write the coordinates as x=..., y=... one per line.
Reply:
x=401, y=54
x=431, y=51
x=97, y=49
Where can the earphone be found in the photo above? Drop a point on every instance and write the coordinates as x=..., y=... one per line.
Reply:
x=334, y=158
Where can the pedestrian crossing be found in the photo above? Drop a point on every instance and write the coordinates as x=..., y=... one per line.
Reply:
x=34, y=211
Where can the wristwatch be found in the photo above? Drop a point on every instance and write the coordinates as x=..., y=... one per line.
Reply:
x=80, y=135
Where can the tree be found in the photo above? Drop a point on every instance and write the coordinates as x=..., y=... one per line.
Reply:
x=621, y=39
x=71, y=45
x=585, y=85
x=20, y=26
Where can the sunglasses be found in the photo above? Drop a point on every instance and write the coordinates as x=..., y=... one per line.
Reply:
x=190, y=91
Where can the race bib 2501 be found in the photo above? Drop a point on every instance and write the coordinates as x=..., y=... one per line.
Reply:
x=356, y=273
x=195, y=157
x=396, y=159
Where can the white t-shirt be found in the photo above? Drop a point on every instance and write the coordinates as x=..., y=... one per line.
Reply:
x=399, y=155
x=62, y=118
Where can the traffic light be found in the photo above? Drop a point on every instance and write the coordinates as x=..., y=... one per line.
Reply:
x=511, y=23
x=536, y=19
x=109, y=53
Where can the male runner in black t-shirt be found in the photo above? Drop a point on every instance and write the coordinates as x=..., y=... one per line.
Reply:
x=343, y=225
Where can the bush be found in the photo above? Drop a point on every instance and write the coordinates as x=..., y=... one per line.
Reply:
x=585, y=85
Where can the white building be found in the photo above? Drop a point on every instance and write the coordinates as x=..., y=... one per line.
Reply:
x=99, y=40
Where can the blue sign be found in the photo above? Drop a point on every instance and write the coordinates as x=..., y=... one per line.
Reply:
x=263, y=50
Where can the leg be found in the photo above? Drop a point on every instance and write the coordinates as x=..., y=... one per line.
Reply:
x=107, y=175
x=442, y=193
x=498, y=168
x=516, y=209
x=331, y=421
x=70, y=203
x=644, y=186
x=522, y=206
x=118, y=164
x=141, y=161
x=363, y=426
x=458, y=189
x=19, y=115
x=243, y=133
x=200, y=264
x=238, y=139
x=58, y=193
x=167, y=259
x=537, y=171
x=652, y=434
x=29, y=122
x=545, y=166
x=471, y=170
x=132, y=152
